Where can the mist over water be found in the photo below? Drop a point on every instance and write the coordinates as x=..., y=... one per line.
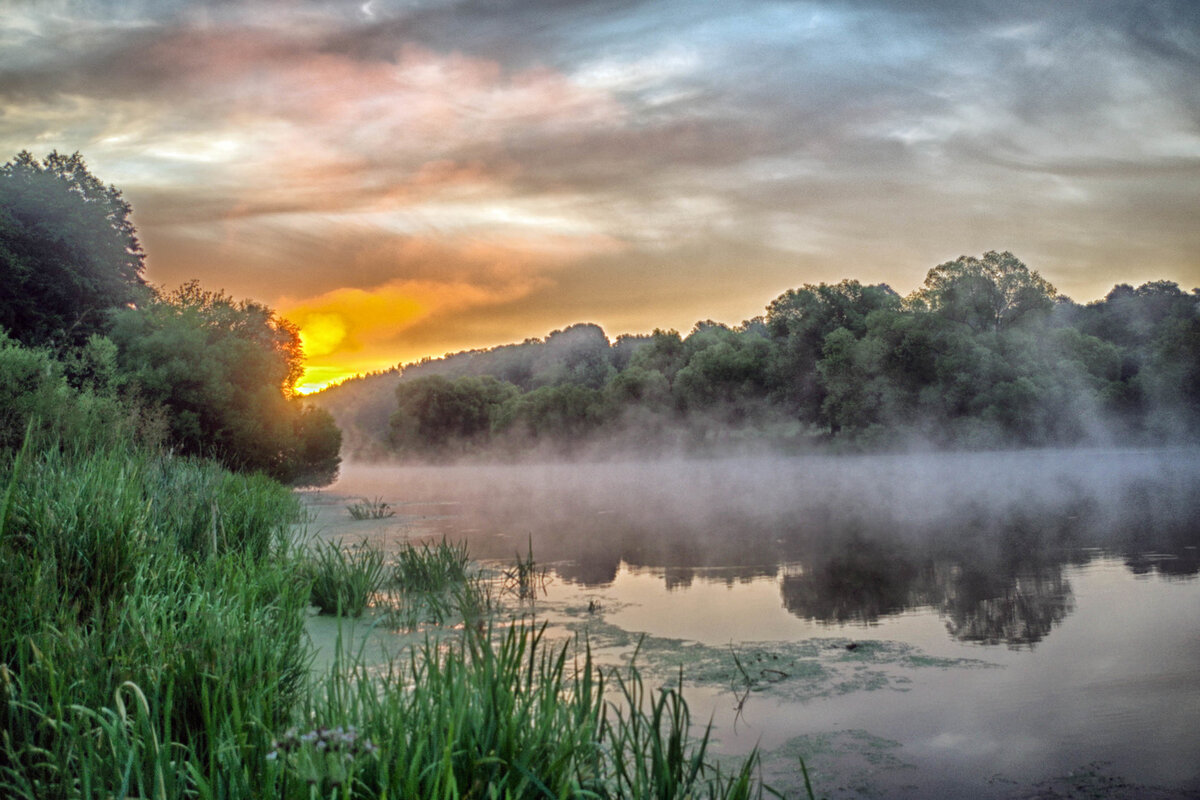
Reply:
x=756, y=513
x=1075, y=571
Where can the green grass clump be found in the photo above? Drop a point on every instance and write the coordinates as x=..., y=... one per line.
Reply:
x=502, y=713
x=133, y=654
x=370, y=509
x=345, y=579
x=434, y=583
x=429, y=567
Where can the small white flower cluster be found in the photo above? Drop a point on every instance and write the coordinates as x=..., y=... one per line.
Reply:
x=323, y=740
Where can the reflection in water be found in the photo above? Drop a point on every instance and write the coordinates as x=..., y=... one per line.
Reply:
x=983, y=600
x=1021, y=551
x=1022, y=613
x=860, y=582
x=983, y=539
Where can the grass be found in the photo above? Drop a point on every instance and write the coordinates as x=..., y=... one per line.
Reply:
x=133, y=651
x=430, y=567
x=525, y=580
x=370, y=509
x=152, y=644
x=502, y=713
x=433, y=583
x=345, y=580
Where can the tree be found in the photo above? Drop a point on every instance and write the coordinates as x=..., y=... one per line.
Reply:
x=726, y=369
x=579, y=354
x=225, y=373
x=991, y=293
x=564, y=414
x=68, y=251
x=800, y=319
x=663, y=353
x=434, y=412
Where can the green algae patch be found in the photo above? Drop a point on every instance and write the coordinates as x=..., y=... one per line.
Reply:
x=794, y=671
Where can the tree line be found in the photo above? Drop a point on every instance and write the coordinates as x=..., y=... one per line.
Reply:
x=89, y=349
x=985, y=354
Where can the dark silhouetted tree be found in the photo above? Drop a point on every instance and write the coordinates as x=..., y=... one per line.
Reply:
x=68, y=251
x=434, y=412
x=225, y=372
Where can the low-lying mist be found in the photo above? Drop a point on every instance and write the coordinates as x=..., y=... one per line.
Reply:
x=983, y=538
x=761, y=511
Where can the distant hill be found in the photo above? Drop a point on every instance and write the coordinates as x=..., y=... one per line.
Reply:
x=985, y=355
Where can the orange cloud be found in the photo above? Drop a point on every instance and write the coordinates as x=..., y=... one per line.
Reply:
x=348, y=331
x=352, y=330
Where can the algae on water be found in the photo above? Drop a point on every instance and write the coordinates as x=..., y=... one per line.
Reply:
x=794, y=671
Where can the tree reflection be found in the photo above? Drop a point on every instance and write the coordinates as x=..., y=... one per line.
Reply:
x=985, y=540
x=1018, y=611
x=860, y=582
x=1004, y=588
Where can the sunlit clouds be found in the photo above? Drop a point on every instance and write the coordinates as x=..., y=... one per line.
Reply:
x=407, y=178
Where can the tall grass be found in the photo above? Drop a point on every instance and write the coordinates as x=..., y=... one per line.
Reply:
x=345, y=580
x=434, y=583
x=502, y=713
x=152, y=644
x=370, y=509
x=430, y=567
x=127, y=641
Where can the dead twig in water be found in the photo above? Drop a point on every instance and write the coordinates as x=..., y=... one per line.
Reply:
x=741, y=698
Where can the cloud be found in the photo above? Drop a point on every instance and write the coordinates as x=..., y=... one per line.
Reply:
x=423, y=295
x=496, y=170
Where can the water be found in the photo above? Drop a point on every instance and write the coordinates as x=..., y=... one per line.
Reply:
x=1022, y=625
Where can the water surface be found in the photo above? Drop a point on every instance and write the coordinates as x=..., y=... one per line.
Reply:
x=1004, y=625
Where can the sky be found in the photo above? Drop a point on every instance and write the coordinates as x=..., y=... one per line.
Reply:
x=407, y=178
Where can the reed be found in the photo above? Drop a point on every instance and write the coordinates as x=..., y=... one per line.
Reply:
x=525, y=579
x=501, y=712
x=433, y=583
x=345, y=580
x=430, y=567
x=152, y=644
x=370, y=509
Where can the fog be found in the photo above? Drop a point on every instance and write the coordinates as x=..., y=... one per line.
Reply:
x=853, y=536
x=1065, y=580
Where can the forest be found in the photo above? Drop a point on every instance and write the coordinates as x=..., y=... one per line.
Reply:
x=986, y=354
x=89, y=349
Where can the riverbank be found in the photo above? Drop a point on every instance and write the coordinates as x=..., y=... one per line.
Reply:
x=153, y=644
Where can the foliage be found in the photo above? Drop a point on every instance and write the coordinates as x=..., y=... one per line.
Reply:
x=370, y=509
x=985, y=354
x=88, y=349
x=224, y=371
x=68, y=251
x=435, y=583
x=563, y=413
x=345, y=580
x=36, y=392
x=989, y=293
x=504, y=714
x=183, y=671
x=430, y=567
x=435, y=411
x=127, y=641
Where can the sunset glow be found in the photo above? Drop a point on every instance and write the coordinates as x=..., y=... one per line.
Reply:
x=403, y=180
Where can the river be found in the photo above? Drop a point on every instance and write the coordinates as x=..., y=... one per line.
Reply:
x=1011, y=625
